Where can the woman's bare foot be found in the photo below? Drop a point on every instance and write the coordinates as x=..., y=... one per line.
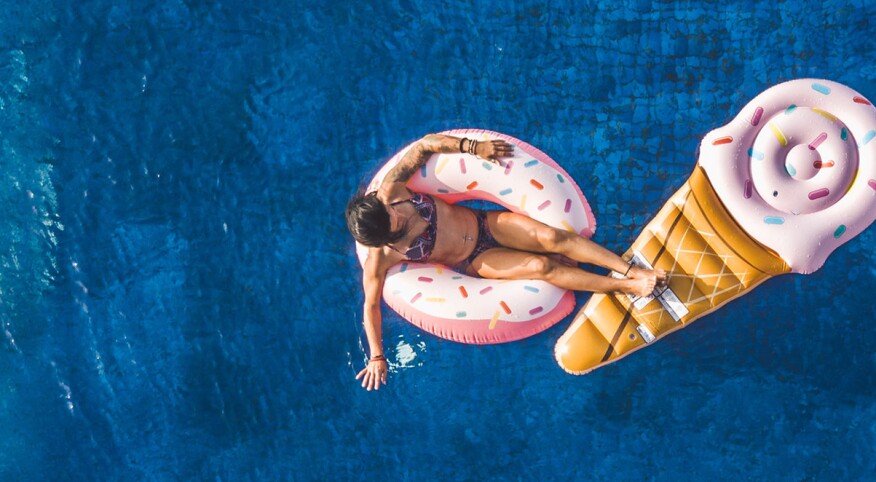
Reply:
x=636, y=272
x=642, y=286
x=643, y=281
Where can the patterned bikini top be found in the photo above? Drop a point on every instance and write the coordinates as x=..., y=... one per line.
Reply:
x=421, y=247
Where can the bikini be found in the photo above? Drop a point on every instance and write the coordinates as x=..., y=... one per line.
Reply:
x=421, y=247
x=485, y=238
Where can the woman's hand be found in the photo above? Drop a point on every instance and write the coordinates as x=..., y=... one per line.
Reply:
x=492, y=150
x=374, y=374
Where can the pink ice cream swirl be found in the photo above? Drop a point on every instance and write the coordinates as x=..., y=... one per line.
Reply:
x=797, y=168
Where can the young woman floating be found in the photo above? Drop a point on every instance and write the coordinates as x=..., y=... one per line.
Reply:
x=399, y=225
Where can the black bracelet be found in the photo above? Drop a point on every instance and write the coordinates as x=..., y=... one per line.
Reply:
x=460, y=144
x=628, y=270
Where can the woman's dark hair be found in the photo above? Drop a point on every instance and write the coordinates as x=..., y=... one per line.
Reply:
x=368, y=221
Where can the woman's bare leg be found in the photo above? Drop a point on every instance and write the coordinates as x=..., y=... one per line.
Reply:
x=506, y=263
x=523, y=233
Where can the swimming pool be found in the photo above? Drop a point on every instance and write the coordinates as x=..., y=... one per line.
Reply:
x=180, y=298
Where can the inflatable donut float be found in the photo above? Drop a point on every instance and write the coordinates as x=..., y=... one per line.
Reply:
x=776, y=190
x=467, y=309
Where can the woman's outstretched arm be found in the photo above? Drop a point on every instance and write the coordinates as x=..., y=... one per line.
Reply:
x=393, y=186
x=373, y=276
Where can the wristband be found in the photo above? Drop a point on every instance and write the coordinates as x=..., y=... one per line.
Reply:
x=461, y=141
x=377, y=358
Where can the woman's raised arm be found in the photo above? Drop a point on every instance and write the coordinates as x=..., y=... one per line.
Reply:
x=393, y=186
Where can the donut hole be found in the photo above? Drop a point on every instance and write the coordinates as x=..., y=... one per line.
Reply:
x=801, y=161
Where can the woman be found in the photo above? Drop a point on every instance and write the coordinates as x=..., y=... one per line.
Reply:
x=398, y=225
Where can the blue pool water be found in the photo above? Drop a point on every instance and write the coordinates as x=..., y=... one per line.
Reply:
x=179, y=296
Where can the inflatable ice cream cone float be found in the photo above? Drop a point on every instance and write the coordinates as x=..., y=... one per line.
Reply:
x=775, y=191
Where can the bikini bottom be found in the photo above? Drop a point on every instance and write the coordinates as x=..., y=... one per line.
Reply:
x=485, y=241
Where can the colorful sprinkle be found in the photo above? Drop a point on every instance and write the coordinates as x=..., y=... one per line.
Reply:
x=544, y=205
x=536, y=311
x=755, y=119
x=722, y=140
x=790, y=169
x=537, y=184
x=867, y=138
x=531, y=163
x=505, y=307
x=425, y=279
x=436, y=300
x=456, y=277
x=494, y=319
x=472, y=185
x=486, y=290
x=755, y=154
x=778, y=133
x=523, y=203
x=822, y=164
x=821, y=89
x=568, y=226
x=460, y=314
x=508, y=167
x=416, y=297
x=488, y=165
x=442, y=164
x=463, y=292
x=568, y=206
x=828, y=115
x=404, y=267
x=839, y=231
x=462, y=165
x=531, y=288
x=747, y=192
x=561, y=179
x=505, y=192
x=791, y=108
x=439, y=269
x=819, y=193
x=872, y=184
x=443, y=191
x=861, y=100
x=817, y=141
x=423, y=171
x=844, y=134
x=774, y=220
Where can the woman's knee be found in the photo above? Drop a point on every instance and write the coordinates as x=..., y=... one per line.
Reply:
x=541, y=266
x=552, y=239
